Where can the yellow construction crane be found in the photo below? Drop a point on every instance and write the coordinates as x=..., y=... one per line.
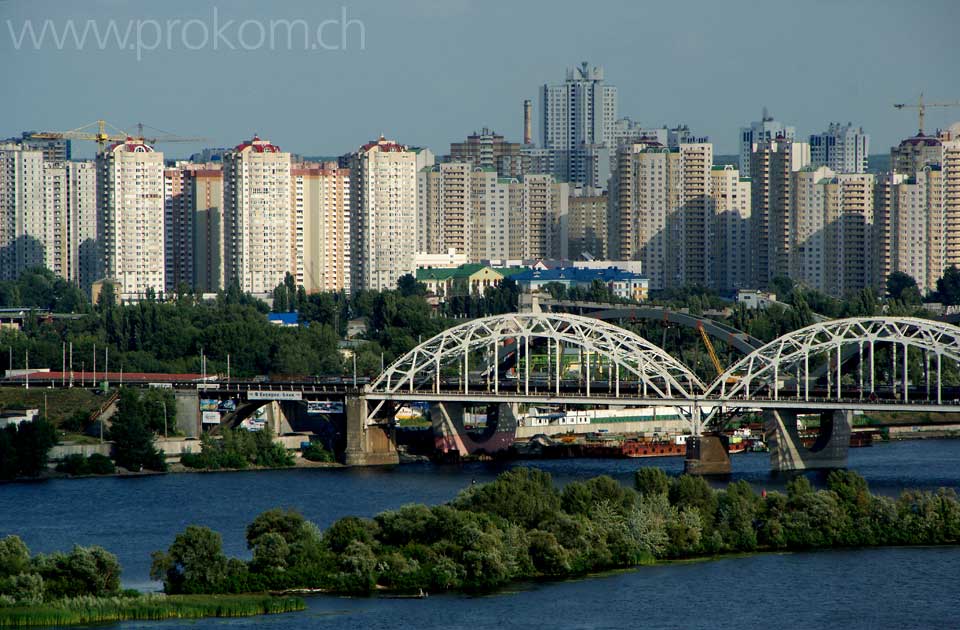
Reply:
x=101, y=137
x=713, y=353
x=921, y=107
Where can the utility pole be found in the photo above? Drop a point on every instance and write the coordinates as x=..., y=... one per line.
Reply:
x=228, y=366
x=94, y=366
x=26, y=367
x=164, y=403
x=106, y=369
x=354, y=368
x=63, y=368
x=71, y=364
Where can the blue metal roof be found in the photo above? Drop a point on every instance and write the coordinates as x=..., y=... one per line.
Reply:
x=287, y=319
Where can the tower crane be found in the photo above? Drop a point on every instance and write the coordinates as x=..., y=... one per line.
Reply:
x=102, y=137
x=921, y=107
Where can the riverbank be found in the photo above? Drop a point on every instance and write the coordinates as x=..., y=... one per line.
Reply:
x=153, y=607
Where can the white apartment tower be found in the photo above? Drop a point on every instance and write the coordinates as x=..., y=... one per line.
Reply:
x=259, y=228
x=730, y=203
x=131, y=223
x=764, y=130
x=841, y=148
x=660, y=204
x=322, y=206
x=384, y=223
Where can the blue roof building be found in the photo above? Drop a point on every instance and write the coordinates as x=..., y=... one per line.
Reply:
x=621, y=283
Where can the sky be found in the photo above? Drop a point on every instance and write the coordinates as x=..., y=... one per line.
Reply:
x=428, y=72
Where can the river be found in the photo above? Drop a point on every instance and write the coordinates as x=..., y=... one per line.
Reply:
x=879, y=588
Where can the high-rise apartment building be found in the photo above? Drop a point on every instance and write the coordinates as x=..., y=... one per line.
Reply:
x=730, y=207
x=841, y=148
x=130, y=194
x=447, y=212
x=82, y=208
x=832, y=231
x=764, y=130
x=259, y=222
x=488, y=149
x=579, y=112
x=587, y=226
x=772, y=163
x=384, y=221
x=180, y=208
x=661, y=213
x=206, y=198
x=322, y=207
x=26, y=226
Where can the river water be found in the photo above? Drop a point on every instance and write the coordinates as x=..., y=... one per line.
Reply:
x=880, y=588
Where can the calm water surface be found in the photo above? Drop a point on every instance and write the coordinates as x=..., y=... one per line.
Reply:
x=881, y=588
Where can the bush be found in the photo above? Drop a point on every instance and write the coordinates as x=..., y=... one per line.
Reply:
x=316, y=453
x=77, y=465
x=238, y=449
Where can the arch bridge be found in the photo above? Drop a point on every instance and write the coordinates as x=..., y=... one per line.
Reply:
x=839, y=366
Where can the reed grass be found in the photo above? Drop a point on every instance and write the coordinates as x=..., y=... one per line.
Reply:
x=153, y=607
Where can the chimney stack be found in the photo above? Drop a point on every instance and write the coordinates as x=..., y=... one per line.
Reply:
x=527, y=122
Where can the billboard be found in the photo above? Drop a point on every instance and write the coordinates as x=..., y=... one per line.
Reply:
x=209, y=404
x=227, y=405
x=324, y=406
x=211, y=417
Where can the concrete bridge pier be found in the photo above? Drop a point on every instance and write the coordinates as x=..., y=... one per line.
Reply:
x=450, y=433
x=367, y=445
x=787, y=452
x=188, y=412
x=707, y=455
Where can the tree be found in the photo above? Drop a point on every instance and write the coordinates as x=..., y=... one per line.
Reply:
x=14, y=556
x=133, y=441
x=24, y=448
x=948, y=287
x=903, y=288
x=651, y=481
x=409, y=287
x=195, y=562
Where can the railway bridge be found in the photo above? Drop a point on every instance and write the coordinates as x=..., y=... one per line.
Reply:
x=833, y=368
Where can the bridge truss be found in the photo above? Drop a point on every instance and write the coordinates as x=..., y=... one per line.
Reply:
x=610, y=355
x=782, y=369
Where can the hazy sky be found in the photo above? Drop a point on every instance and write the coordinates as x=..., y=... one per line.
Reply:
x=431, y=71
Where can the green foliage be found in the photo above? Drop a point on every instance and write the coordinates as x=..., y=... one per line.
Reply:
x=524, y=496
x=14, y=556
x=95, y=464
x=316, y=453
x=133, y=440
x=84, y=571
x=194, y=563
x=650, y=481
x=903, y=287
x=238, y=449
x=948, y=287
x=520, y=527
x=88, y=610
x=24, y=448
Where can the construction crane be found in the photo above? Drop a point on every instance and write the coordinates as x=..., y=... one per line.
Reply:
x=921, y=108
x=713, y=353
x=101, y=137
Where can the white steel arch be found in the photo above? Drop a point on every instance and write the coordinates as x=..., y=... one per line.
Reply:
x=789, y=356
x=656, y=372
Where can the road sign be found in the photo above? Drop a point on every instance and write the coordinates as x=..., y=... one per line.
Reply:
x=268, y=395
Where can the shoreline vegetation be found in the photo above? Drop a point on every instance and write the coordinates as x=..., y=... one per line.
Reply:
x=521, y=527
x=518, y=528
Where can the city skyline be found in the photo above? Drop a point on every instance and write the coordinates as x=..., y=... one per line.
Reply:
x=435, y=96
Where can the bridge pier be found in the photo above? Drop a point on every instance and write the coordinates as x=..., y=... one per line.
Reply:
x=371, y=445
x=450, y=433
x=787, y=451
x=188, y=412
x=707, y=455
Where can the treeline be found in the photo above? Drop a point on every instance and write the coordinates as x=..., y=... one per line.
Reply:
x=238, y=449
x=522, y=527
x=176, y=334
x=26, y=580
x=24, y=448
